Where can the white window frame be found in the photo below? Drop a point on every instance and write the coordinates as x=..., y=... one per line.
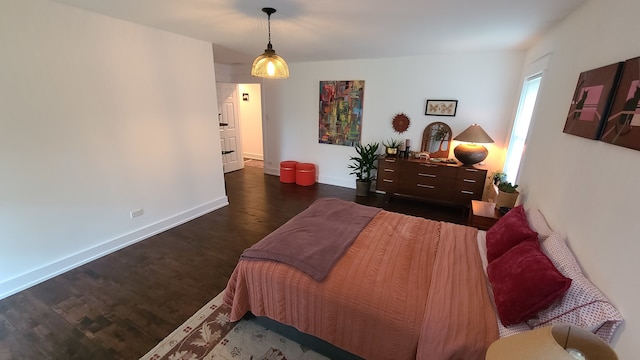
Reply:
x=521, y=127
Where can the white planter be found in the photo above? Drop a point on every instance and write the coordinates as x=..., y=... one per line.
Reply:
x=505, y=199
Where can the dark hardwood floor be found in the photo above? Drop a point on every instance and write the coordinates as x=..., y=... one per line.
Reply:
x=122, y=305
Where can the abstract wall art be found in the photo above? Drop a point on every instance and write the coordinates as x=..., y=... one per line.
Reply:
x=591, y=101
x=340, y=113
x=623, y=125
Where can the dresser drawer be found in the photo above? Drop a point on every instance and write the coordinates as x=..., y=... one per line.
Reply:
x=429, y=181
x=469, y=184
x=463, y=196
x=388, y=175
x=472, y=174
x=388, y=161
x=387, y=180
x=426, y=180
x=429, y=174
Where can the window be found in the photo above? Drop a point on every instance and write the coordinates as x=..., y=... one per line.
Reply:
x=521, y=126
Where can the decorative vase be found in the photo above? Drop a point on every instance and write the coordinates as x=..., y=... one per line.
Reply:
x=362, y=187
x=392, y=151
x=505, y=199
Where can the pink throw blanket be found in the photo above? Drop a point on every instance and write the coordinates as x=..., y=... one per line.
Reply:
x=314, y=240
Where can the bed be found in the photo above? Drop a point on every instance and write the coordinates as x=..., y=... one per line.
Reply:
x=378, y=284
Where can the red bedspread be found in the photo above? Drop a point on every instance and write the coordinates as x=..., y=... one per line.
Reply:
x=408, y=288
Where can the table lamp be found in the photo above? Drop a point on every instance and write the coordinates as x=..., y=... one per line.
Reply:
x=469, y=152
x=557, y=342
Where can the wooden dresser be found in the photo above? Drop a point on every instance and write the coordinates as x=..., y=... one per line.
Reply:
x=448, y=183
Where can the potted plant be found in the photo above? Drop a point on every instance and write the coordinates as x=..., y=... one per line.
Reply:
x=497, y=177
x=391, y=146
x=507, y=194
x=363, y=165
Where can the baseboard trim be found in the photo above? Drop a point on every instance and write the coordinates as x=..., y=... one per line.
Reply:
x=345, y=183
x=253, y=156
x=272, y=171
x=46, y=272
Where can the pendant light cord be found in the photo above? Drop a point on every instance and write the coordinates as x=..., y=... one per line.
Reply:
x=269, y=11
x=269, y=26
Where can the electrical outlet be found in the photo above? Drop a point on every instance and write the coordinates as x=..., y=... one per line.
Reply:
x=136, y=213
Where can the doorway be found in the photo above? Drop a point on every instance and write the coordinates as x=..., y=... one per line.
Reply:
x=229, y=121
x=241, y=137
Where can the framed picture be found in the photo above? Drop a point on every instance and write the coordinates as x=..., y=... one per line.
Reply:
x=623, y=125
x=340, y=113
x=441, y=107
x=591, y=101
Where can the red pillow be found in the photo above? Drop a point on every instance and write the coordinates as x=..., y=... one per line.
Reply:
x=524, y=282
x=507, y=232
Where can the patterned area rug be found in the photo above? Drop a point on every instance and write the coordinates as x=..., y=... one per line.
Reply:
x=208, y=334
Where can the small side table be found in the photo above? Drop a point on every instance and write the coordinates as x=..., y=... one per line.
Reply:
x=483, y=214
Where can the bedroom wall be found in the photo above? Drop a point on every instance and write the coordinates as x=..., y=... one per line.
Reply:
x=588, y=189
x=98, y=117
x=486, y=84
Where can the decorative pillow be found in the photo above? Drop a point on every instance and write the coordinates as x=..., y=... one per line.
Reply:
x=555, y=247
x=524, y=282
x=507, y=232
x=538, y=223
x=584, y=304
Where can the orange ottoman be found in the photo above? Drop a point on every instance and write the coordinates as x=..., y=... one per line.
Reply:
x=305, y=174
x=288, y=171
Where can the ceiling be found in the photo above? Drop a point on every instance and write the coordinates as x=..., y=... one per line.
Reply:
x=322, y=30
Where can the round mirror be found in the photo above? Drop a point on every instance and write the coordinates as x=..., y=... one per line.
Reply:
x=436, y=139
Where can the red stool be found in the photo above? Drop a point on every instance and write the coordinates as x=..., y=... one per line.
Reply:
x=305, y=174
x=288, y=171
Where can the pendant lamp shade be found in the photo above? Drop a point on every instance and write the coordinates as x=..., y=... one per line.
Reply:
x=269, y=64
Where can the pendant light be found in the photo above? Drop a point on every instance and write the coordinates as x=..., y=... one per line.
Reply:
x=269, y=65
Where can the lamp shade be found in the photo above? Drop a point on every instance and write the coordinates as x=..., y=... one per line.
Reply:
x=469, y=152
x=557, y=342
x=474, y=134
x=270, y=65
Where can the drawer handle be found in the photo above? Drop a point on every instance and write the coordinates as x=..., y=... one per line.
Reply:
x=389, y=170
x=469, y=180
x=467, y=192
x=429, y=165
x=426, y=186
x=390, y=160
x=426, y=175
x=472, y=170
x=387, y=180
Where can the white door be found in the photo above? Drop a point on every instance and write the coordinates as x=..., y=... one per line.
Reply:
x=230, y=140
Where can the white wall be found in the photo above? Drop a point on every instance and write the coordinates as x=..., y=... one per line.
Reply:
x=486, y=85
x=98, y=117
x=251, y=121
x=586, y=188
